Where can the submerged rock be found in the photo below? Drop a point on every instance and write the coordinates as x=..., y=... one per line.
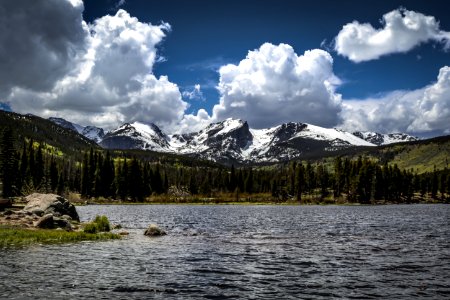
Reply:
x=154, y=230
x=40, y=204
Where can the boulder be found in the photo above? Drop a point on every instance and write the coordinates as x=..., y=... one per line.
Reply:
x=45, y=222
x=62, y=223
x=50, y=204
x=154, y=230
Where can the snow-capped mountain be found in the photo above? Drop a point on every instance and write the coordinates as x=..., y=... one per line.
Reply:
x=93, y=133
x=137, y=136
x=384, y=139
x=233, y=140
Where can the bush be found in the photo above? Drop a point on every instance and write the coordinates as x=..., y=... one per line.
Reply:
x=90, y=228
x=100, y=224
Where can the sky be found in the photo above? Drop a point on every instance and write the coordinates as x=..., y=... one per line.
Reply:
x=185, y=64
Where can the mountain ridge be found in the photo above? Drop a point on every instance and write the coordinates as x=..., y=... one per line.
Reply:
x=232, y=140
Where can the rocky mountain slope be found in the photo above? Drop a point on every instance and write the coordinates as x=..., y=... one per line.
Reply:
x=93, y=133
x=380, y=139
x=233, y=141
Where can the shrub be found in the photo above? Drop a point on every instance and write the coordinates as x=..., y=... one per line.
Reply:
x=100, y=224
x=90, y=228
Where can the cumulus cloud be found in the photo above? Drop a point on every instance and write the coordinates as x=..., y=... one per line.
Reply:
x=110, y=80
x=424, y=111
x=273, y=85
x=402, y=31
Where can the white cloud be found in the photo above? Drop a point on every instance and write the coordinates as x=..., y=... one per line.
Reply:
x=273, y=85
x=402, y=31
x=110, y=78
x=424, y=111
x=194, y=94
x=194, y=123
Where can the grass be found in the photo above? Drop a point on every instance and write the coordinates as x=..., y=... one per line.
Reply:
x=13, y=237
x=100, y=224
x=424, y=158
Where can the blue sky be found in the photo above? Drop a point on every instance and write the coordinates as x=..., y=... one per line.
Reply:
x=208, y=34
x=381, y=66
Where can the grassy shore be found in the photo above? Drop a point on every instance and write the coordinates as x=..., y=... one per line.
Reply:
x=16, y=237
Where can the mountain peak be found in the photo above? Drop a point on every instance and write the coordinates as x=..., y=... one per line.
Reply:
x=384, y=139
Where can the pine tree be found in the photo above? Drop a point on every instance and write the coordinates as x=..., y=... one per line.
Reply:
x=300, y=181
x=85, y=186
x=53, y=174
x=38, y=174
x=7, y=162
x=233, y=180
x=249, y=182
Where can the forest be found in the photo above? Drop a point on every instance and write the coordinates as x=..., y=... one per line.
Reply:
x=123, y=176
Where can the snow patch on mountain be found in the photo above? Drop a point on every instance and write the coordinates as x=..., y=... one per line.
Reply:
x=380, y=139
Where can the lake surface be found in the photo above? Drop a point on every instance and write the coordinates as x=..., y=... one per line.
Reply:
x=245, y=252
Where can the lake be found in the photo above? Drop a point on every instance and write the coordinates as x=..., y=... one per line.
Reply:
x=244, y=252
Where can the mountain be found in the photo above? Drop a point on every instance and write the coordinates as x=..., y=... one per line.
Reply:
x=93, y=133
x=234, y=141
x=380, y=139
x=137, y=136
x=42, y=130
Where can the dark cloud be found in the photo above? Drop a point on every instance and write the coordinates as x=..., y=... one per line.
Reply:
x=40, y=41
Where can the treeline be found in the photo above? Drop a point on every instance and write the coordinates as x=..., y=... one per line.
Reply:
x=39, y=167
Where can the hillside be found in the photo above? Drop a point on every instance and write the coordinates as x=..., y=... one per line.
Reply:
x=44, y=131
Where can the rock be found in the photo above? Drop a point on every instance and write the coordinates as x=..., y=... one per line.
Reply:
x=8, y=212
x=117, y=226
x=38, y=212
x=45, y=222
x=66, y=217
x=62, y=223
x=154, y=230
x=124, y=233
x=50, y=204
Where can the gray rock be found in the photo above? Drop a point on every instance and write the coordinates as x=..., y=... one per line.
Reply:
x=45, y=222
x=66, y=217
x=50, y=203
x=37, y=211
x=62, y=223
x=154, y=230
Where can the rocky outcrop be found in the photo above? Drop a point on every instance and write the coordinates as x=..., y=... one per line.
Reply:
x=42, y=204
x=27, y=219
x=153, y=230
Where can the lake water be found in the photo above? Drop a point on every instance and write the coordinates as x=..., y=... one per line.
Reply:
x=245, y=252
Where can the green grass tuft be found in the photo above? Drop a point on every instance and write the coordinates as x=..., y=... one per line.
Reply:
x=100, y=224
x=10, y=236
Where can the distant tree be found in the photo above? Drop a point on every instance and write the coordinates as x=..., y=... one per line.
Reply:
x=53, y=174
x=300, y=181
x=7, y=162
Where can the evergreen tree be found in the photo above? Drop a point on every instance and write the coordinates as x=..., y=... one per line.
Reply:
x=53, y=175
x=249, y=182
x=300, y=181
x=7, y=162
x=38, y=175
x=85, y=186
x=233, y=180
